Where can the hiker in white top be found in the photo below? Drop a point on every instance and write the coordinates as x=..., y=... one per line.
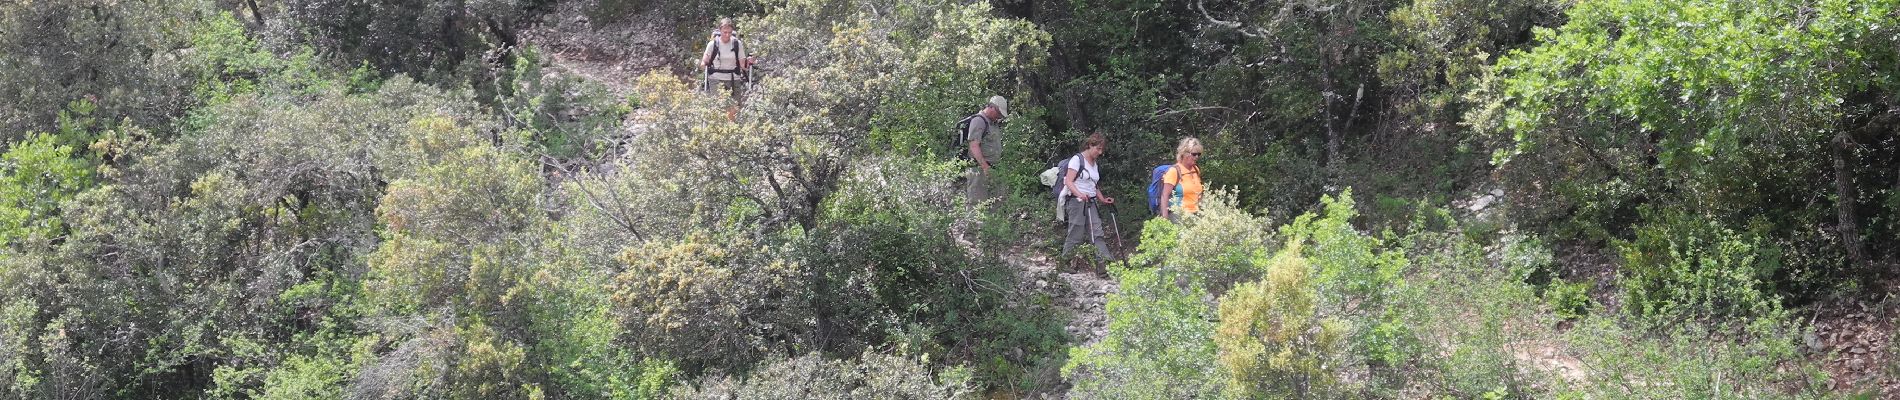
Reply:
x=726, y=60
x=1079, y=188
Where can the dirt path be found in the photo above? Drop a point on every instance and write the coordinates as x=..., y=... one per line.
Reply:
x=612, y=53
x=1084, y=295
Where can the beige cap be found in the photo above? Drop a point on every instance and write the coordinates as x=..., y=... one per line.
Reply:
x=1002, y=105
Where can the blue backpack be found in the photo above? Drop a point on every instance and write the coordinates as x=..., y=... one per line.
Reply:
x=1154, y=189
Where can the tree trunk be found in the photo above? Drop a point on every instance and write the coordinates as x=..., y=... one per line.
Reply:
x=1326, y=113
x=257, y=13
x=1846, y=196
x=1052, y=89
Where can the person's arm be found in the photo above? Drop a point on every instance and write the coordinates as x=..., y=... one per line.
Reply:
x=976, y=143
x=706, y=59
x=976, y=153
x=1167, y=189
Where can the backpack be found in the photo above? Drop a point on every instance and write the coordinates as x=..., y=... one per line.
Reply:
x=960, y=141
x=1154, y=189
x=1053, y=178
x=737, y=44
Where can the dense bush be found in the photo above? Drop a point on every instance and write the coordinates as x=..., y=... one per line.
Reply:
x=869, y=376
x=1339, y=313
x=1748, y=113
x=1686, y=267
x=710, y=301
x=1273, y=341
x=1160, y=332
x=328, y=198
x=122, y=56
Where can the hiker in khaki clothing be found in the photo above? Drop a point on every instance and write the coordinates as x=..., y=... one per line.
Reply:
x=986, y=147
x=726, y=61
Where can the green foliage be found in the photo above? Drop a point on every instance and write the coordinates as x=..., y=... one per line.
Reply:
x=35, y=176
x=557, y=114
x=1687, y=267
x=906, y=275
x=419, y=37
x=1694, y=361
x=1454, y=321
x=869, y=376
x=917, y=67
x=1736, y=111
x=1353, y=266
x=1442, y=47
x=121, y=55
x=1160, y=327
x=249, y=199
x=1570, y=300
x=1159, y=343
x=450, y=234
x=709, y=301
x=1273, y=341
x=1224, y=242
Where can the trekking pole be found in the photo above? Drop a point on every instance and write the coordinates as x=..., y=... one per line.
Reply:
x=1117, y=225
x=1093, y=204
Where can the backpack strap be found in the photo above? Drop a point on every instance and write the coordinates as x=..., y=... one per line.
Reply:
x=1178, y=175
x=962, y=144
x=968, y=123
x=735, y=55
x=1079, y=163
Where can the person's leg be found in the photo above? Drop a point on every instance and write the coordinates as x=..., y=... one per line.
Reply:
x=1078, y=227
x=1096, y=236
x=731, y=88
x=978, y=191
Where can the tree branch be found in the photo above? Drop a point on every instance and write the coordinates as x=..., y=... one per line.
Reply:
x=595, y=201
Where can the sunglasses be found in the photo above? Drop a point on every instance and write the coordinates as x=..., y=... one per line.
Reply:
x=1196, y=154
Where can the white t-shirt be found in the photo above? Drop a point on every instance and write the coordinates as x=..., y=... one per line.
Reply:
x=722, y=54
x=1086, y=179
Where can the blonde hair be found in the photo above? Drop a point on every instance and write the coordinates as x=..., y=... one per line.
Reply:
x=1188, y=145
x=725, y=22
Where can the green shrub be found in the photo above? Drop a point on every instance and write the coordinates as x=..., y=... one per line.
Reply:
x=708, y=300
x=1760, y=360
x=1683, y=266
x=454, y=235
x=1159, y=344
x=555, y=113
x=869, y=376
x=35, y=176
x=885, y=263
x=1571, y=300
x=1217, y=246
x=1350, y=266
x=1273, y=340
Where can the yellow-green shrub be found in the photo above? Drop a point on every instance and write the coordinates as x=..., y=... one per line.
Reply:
x=708, y=301
x=1273, y=341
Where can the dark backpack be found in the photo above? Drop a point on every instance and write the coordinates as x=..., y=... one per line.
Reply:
x=1063, y=166
x=960, y=141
